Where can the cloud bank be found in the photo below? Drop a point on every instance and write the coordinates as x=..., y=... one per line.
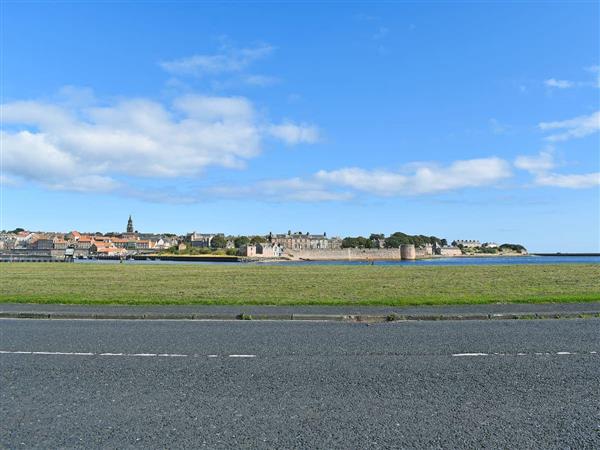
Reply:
x=89, y=148
x=347, y=183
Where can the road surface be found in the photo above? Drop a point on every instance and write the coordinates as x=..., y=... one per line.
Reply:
x=173, y=384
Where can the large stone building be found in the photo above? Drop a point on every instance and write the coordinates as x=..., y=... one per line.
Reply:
x=301, y=241
x=466, y=243
x=200, y=239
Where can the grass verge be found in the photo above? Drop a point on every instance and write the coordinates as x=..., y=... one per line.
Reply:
x=296, y=285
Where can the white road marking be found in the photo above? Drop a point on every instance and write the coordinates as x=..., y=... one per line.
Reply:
x=151, y=355
x=182, y=355
x=62, y=353
x=522, y=354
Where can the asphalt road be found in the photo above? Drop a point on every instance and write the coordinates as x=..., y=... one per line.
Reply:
x=174, y=384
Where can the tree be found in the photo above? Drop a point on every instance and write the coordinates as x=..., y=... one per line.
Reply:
x=518, y=248
x=240, y=241
x=218, y=241
x=356, y=242
x=257, y=240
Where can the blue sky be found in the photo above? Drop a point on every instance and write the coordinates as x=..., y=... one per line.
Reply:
x=463, y=120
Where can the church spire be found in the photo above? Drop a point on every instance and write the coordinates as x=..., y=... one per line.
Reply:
x=130, y=225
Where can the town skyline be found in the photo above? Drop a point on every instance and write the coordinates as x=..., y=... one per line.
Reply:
x=370, y=118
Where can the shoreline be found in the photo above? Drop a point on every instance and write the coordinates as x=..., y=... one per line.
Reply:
x=418, y=258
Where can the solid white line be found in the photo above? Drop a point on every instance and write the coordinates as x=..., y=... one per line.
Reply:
x=162, y=355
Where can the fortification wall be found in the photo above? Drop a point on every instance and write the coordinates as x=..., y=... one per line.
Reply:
x=347, y=254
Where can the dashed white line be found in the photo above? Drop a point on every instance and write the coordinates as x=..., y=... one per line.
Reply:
x=63, y=353
x=524, y=354
x=242, y=356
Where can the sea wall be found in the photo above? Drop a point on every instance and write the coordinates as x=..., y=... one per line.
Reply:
x=350, y=254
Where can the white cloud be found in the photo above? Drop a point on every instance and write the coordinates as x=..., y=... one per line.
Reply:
x=381, y=33
x=5, y=180
x=229, y=60
x=260, y=80
x=291, y=133
x=577, y=127
x=571, y=181
x=540, y=163
x=291, y=189
x=86, y=183
x=87, y=147
x=596, y=71
x=498, y=127
x=344, y=184
x=560, y=84
x=425, y=179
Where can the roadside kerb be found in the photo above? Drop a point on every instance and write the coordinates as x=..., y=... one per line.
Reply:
x=367, y=318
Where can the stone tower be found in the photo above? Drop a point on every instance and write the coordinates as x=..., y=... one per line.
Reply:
x=130, y=225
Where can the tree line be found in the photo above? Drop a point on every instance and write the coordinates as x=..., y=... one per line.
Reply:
x=394, y=240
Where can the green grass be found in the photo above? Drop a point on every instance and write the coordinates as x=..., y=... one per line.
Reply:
x=296, y=285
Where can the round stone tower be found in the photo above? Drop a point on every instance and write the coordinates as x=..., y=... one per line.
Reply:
x=407, y=251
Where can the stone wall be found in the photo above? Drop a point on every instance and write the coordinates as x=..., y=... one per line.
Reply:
x=346, y=254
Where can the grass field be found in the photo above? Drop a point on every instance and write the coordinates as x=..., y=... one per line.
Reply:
x=295, y=285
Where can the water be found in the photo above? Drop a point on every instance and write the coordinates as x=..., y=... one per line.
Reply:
x=471, y=261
